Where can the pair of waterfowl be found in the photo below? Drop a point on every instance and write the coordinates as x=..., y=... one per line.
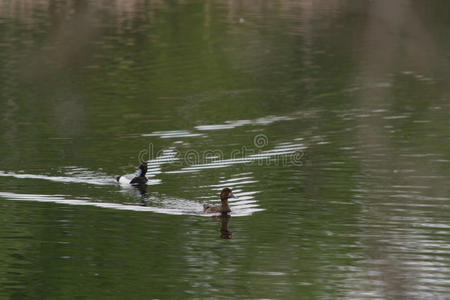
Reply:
x=139, y=179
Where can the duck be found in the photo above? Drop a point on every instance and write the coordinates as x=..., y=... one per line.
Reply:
x=139, y=178
x=223, y=208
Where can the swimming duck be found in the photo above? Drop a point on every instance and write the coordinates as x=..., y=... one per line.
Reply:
x=138, y=179
x=223, y=208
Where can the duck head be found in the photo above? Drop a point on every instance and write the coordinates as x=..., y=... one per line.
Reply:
x=226, y=193
x=142, y=170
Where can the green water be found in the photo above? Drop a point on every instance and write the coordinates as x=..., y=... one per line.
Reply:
x=328, y=119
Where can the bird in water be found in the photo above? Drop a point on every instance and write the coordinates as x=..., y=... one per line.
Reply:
x=139, y=178
x=224, y=208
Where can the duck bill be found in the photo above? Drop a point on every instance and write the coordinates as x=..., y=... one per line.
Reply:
x=232, y=196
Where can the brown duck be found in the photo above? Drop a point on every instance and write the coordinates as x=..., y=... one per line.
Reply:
x=223, y=208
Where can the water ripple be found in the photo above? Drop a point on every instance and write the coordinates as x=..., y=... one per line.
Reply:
x=171, y=206
x=238, y=123
x=280, y=152
x=96, y=180
x=173, y=134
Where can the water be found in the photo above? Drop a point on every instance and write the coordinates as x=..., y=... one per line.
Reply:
x=328, y=119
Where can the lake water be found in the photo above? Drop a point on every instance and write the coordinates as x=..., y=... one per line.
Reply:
x=328, y=119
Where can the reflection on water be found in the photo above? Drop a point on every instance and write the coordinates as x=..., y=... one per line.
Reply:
x=328, y=119
x=233, y=124
x=173, y=134
x=168, y=206
x=224, y=220
x=245, y=205
x=96, y=179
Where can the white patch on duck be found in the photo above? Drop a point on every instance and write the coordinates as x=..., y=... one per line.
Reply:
x=137, y=179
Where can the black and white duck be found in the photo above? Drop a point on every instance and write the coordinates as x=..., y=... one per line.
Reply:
x=137, y=179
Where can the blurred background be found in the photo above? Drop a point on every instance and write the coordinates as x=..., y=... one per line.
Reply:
x=342, y=108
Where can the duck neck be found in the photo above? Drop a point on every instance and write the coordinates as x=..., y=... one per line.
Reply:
x=225, y=206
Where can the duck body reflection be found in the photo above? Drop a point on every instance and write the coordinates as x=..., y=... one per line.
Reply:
x=224, y=219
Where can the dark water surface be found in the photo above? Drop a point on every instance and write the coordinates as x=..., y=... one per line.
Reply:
x=328, y=119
